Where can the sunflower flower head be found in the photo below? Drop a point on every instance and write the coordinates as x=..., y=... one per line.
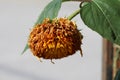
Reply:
x=55, y=39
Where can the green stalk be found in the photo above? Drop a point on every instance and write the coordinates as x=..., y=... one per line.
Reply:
x=74, y=14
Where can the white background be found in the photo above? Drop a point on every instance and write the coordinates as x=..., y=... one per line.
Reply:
x=16, y=19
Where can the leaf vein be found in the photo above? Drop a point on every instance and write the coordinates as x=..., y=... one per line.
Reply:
x=112, y=29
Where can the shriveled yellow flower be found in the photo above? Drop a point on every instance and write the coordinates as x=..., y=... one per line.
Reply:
x=55, y=39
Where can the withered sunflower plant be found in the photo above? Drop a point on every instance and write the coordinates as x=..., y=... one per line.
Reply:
x=56, y=38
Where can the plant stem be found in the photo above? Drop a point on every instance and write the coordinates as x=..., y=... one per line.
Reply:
x=74, y=14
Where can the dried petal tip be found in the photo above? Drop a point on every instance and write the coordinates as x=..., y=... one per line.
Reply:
x=55, y=39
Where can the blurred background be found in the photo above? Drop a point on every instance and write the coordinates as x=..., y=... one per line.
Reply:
x=17, y=17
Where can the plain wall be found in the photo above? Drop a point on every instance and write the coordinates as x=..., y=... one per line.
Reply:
x=17, y=17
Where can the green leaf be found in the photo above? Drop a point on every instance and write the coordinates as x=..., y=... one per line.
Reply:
x=103, y=16
x=117, y=77
x=50, y=11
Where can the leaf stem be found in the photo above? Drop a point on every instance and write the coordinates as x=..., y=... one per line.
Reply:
x=73, y=14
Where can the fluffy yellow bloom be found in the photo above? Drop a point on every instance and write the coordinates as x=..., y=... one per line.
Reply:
x=55, y=39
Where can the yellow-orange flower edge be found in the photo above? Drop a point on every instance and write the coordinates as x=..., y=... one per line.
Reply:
x=55, y=39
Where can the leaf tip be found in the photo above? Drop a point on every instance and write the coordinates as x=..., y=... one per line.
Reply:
x=25, y=49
